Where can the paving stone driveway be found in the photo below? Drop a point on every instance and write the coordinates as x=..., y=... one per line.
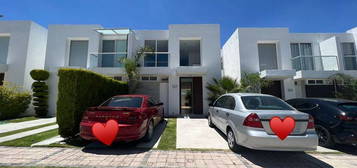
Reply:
x=75, y=157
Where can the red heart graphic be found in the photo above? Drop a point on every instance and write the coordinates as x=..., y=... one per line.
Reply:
x=282, y=128
x=106, y=133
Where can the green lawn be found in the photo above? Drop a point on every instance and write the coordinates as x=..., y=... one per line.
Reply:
x=25, y=129
x=168, y=138
x=29, y=140
x=17, y=120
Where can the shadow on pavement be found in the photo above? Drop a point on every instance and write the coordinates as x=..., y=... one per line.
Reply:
x=349, y=149
x=122, y=148
x=281, y=159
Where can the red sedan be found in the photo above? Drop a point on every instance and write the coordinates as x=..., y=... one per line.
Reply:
x=137, y=116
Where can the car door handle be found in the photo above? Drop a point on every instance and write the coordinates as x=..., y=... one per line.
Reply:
x=217, y=111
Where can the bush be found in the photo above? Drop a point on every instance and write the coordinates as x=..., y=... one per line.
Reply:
x=39, y=74
x=40, y=89
x=13, y=102
x=79, y=89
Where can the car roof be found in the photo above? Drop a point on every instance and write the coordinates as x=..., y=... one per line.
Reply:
x=247, y=94
x=332, y=100
x=133, y=95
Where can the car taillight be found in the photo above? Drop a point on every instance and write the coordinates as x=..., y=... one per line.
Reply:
x=310, y=124
x=345, y=118
x=252, y=120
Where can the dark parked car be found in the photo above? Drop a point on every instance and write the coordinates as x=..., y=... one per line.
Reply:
x=335, y=119
x=137, y=115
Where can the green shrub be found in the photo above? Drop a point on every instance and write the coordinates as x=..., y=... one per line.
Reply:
x=79, y=89
x=40, y=89
x=39, y=74
x=13, y=102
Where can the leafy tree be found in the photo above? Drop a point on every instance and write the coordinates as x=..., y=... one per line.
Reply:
x=222, y=86
x=132, y=65
x=253, y=83
x=345, y=86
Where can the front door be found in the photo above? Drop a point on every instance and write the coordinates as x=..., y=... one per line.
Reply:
x=191, y=99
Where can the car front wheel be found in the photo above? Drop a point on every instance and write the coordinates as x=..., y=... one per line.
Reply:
x=232, y=143
x=325, y=138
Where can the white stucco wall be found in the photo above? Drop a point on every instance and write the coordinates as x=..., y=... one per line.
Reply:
x=231, y=57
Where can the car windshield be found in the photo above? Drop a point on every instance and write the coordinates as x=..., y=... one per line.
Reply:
x=124, y=102
x=348, y=107
x=264, y=103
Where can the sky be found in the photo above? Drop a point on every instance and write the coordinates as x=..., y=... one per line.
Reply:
x=298, y=15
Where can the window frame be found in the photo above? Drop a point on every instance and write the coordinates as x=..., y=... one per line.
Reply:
x=200, y=48
x=353, y=55
x=156, y=53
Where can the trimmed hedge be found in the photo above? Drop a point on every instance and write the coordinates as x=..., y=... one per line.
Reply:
x=13, y=102
x=40, y=89
x=79, y=89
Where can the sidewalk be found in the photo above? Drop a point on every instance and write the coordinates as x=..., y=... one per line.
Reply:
x=75, y=157
x=27, y=124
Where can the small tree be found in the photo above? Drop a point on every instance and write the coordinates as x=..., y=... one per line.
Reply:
x=253, y=83
x=222, y=86
x=345, y=86
x=132, y=65
x=40, y=91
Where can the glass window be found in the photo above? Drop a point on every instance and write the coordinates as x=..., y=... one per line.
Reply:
x=149, y=60
x=145, y=78
x=230, y=103
x=294, y=49
x=124, y=102
x=150, y=44
x=348, y=107
x=264, y=103
x=162, y=60
x=4, y=46
x=78, y=53
x=349, y=56
x=121, y=45
x=190, y=53
x=2, y=77
x=153, y=78
x=108, y=46
x=162, y=46
x=220, y=102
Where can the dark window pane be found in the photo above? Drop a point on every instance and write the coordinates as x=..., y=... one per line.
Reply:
x=107, y=60
x=108, y=46
x=190, y=53
x=350, y=63
x=145, y=78
x=149, y=60
x=150, y=44
x=2, y=76
x=264, y=103
x=153, y=78
x=162, y=60
x=162, y=46
x=124, y=102
x=294, y=49
x=121, y=45
x=78, y=53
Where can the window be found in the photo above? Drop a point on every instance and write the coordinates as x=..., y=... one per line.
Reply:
x=123, y=102
x=230, y=103
x=264, y=103
x=267, y=56
x=349, y=56
x=190, y=52
x=119, y=78
x=159, y=57
x=2, y=76
x=302, y=56
x=112, y=52
x=317, y=82
x=149, y=78
x=220, y=102
x=305, y=106
x=4, y=46
x=78, y=53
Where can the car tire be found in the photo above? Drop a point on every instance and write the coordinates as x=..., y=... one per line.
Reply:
x=210, y=123
x=231, y=140
x=325, y=137
x=149, y=132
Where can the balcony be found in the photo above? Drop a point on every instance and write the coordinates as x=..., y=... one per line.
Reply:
x=106, y=59
x=315, y=63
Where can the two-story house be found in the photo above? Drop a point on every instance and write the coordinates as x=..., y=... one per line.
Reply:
x=298, y=64
x=185, y=58
x=22, y=48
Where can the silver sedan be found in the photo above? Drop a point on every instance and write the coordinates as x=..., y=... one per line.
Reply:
x=245, y=119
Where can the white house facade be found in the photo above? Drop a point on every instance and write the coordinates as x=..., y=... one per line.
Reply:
x=185, y=58
x=299, y=64
x=22, y=48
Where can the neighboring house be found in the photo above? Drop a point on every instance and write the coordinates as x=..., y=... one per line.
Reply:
x=298, y=63
x=22, y=48
x=186, y=57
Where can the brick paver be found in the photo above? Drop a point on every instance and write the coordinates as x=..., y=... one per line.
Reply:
x=75, y=157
